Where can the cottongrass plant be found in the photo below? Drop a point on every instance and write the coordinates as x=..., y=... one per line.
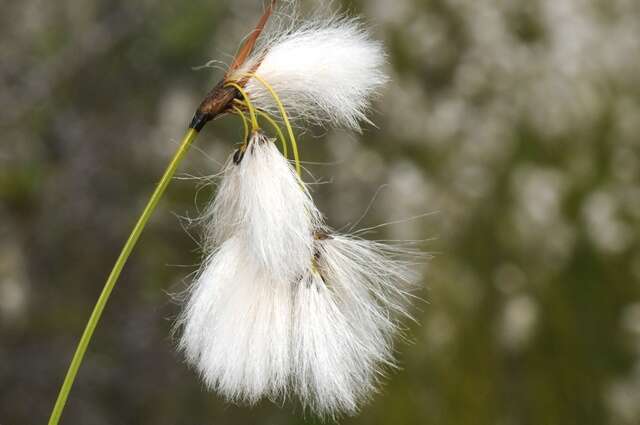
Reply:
x=282, y=305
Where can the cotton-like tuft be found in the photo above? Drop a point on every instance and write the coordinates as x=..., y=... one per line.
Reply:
x=326, y=336
x=346, y=315
x=261, y=199
x=324, y=71
x=385, y=272
x=236, y=326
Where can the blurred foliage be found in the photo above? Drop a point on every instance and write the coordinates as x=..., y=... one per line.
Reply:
x=514, y=124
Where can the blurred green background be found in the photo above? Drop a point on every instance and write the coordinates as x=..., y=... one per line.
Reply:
x=514, y=124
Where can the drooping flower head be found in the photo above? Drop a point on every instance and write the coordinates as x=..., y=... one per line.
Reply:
x=281, y=304
x=261, y=198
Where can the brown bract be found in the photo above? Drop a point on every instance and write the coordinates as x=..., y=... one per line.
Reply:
x=219, y=99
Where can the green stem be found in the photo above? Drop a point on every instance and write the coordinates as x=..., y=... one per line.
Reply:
x=115, y=273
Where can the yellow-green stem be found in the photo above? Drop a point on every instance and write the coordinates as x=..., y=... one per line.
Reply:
x=276, y=127
x=113, y=277
x=285, y=118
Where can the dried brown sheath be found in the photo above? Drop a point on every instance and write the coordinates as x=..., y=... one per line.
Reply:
x=220, y=97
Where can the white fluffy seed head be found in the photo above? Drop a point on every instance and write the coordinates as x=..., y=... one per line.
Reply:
x=236, y=327
x=325, y=71
x=262, y=200
x=346, y=315
x=330, y=376
x=326, y=336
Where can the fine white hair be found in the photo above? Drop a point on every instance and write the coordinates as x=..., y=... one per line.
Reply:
x=261, y=199
x=324, y=70
x=326, y=336
x=346, y=316
x=236, y=326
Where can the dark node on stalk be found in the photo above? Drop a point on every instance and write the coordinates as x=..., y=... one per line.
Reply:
x=238, y=155
x=217, y=101
x=198, y=121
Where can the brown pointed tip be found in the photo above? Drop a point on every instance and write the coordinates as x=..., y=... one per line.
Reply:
x=247, y=47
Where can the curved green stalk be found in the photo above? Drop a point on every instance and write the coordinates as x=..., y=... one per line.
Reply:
x=115, y=273
x=285, y=117
x=276, y=127
x=252, y=109
x=245, y=125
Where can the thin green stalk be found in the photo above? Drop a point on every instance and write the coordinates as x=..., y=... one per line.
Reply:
x=285, y=117
x=276, y=127
x=115, y=273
